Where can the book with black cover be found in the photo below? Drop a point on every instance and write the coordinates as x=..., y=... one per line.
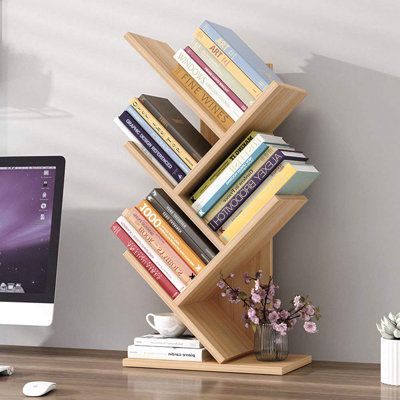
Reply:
x=177, y=125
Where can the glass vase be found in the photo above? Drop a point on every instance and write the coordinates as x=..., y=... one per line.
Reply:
x=270, y=345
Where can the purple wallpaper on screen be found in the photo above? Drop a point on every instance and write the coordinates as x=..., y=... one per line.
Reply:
x=26, y=203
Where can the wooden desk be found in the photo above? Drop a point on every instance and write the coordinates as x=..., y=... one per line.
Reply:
x=92, y=374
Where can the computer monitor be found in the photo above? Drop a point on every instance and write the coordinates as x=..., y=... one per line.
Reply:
x=31, y=190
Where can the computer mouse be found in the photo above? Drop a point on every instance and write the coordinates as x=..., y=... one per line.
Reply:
x=37, y=389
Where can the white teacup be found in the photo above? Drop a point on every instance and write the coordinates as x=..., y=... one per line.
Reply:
x=166, y=324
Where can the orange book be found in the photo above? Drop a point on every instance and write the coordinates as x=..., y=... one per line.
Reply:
x=174, y=240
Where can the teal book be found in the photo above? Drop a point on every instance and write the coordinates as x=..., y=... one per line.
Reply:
x=304, y=177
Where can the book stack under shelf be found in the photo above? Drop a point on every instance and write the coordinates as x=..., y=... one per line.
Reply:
x=216, y=324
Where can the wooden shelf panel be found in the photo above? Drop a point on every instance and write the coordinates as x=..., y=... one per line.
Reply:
x=244, y=365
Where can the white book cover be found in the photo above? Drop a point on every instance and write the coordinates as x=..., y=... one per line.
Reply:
x=168, y=353
x=197, y=73
x=147, y=249
x=157, y=340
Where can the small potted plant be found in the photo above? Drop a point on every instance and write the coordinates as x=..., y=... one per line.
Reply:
x=389, y=329
x=263, y=311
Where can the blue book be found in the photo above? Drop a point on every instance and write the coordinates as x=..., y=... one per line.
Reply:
x=240, y=171
x=240, y=54
x=158, y=153
x=158, y=140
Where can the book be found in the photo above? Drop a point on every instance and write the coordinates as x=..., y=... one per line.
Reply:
x=164, y=134
x=168, y=353
x=224, y=60
x=223, y=73
x=156, y=340
x=153, y=256
x=157, y=138
x=297, y=177
x=230, y=158
x=159, y=244
x=164, y=160
x=240, y=53
x=178, y=229
x=250, y=153
x=185, y=223
x=145, y=261
x=216, y=79
x=207, y=102
x=174, y=240
x=208, y=84
x=144, y=150
x=177, y=125
x=238, y=194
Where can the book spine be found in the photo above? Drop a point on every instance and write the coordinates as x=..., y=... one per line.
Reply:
x=208, y=103
x=152, y=146
x=230, y=66
x=149, y=266
x=175, y=241
x=185, y=343
x=144, y=150
x=222, y=72
x=164, y=134
x=216, y=79
x=159, y=244
x=153, y=256
x=178, y=229
x=157, y=138
x=208, y=84
x=184, y=225
x=167, y=353
x=261, y=81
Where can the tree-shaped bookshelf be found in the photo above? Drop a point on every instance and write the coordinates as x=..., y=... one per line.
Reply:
x=217, y=325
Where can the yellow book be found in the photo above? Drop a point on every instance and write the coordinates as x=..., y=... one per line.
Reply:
x=163, y=133
x=230, y=66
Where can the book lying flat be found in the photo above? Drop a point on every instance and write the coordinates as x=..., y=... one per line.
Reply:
x=157, y=340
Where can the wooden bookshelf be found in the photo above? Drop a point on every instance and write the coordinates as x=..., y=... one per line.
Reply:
x=216, y=324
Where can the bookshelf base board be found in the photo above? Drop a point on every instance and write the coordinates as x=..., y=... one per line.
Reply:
x=243, y=365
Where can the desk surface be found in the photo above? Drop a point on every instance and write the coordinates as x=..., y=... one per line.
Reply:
x=92, y=374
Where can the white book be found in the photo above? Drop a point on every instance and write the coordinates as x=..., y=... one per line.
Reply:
x=146, y=248
x=152, y=159
x=157, y=340
x=197, y=73
x=168, y=353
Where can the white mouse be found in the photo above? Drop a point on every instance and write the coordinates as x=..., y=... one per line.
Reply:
x=37, y=389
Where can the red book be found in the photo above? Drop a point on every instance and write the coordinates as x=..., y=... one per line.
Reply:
x=151, y=268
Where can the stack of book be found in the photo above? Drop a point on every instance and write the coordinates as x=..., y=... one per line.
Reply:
x=164, y=241
x=184, y=348
x=222, y=72
x=164, y=135
x=261, y=166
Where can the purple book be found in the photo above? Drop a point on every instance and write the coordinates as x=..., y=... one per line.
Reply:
x=256, y=179
x=165, y=161
x=215, y=78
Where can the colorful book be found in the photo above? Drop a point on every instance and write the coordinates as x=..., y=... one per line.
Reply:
x=238, y=194
x=144, y=150
x=208, y=84
x=168, y=353
x=177, y=125
x=157, y=138
x=241, y=54
x=153, y=256
x=208, y=103
x=156, y=340
x=164, y=160
x=164, y=134
x=159, y=244
x=145, y=261
x=224, y=60
x=287, y=178
x=174, y=240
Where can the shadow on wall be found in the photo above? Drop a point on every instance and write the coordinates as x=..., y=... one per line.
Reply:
x=342, y=246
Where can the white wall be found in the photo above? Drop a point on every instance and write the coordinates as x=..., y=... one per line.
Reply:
x=66, y=72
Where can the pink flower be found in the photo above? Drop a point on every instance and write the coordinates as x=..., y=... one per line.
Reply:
x=273, y=316
x=221, y=284
x=256, y=297
x=284, y=314
x=280, y=328
x=310, y=327
x=297, y=301
x=310, y=310
x=277, y=303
